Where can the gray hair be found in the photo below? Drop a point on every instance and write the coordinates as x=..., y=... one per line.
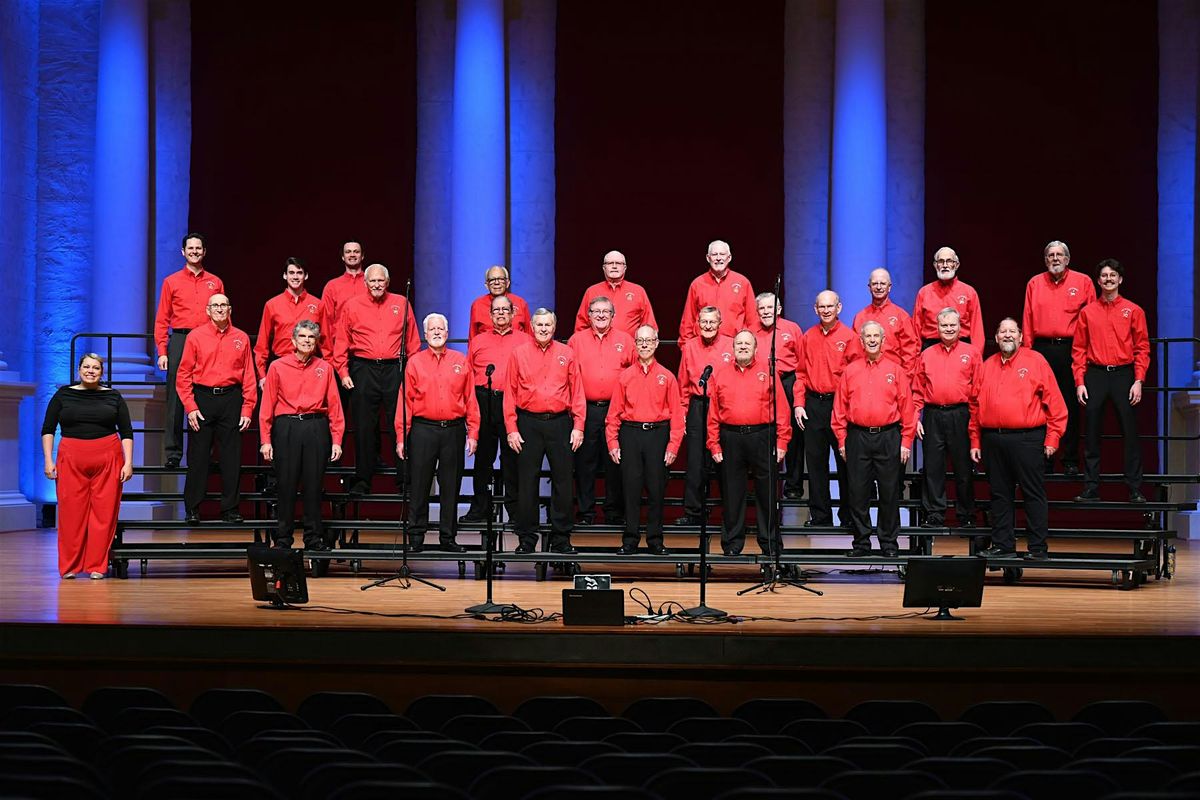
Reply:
x=387, y=275
x=306, y=325
x=434, y=316
x=947, y=311
x=1057, y=243
x=710, y=310
x=869, y=324
x=544, y=312
x=601, y=299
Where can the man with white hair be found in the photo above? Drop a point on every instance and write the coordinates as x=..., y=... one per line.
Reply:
x=442, y=420
x=498, y=282
x=948, y=292
x=721, y=288
x=631, y=304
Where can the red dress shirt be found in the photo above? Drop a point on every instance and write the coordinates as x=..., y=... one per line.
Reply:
x=182, y=303
x=742, y=396
x=945, y=377
x=1051, y=309
x=733, y=294
x=631, y=306
x=481, y=315
x=280, y=315
x=371, y=329
x=932, y=298
x=606, y=357
x=213, y=357
x=335, y=294
x=1019, y=393
x=545, y=381
x=900, y=342
x=789, y=344
x=695, y=355
x=438, y=387
x=645, y=394
x=490, y=347
x=300, y=387
x=1111, y=334
x=826, y=354
x=871, y=394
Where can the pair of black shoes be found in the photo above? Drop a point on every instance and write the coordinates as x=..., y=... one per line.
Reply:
x=934, y=522
x=235, y=517
x=415, y=546
x=995, y=551
x=655, y=550
x=359, y=488
x=688, y=519
x=172, y=462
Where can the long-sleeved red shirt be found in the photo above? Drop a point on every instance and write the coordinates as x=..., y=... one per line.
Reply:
x=933, y=298
x=871, y=394
x=490, y=347
x=300, y=387
x=544, y=380
x=631, y=306
x=339, y=290
x=481, y=315
x=826, y=354
x=945, y=377
x=742, y=396
x=1051, y=308
x=900, y=342
x=1111, y=334
x=696, y=354
x=438, y=387
x=1019, y=393
x=370, y=328
x=733, y=294
x=645, y=394
x=606, y=357
x=280, y=315
x=182, y=303
x=212, y=357
x=789, y=344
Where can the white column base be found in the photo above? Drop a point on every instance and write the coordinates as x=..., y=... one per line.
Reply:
x=16, y=511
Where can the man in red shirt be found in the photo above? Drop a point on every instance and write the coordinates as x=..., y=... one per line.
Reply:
x=644, y=428
x=748, y=429
x=216, y=383
x=948, y=292
x=699, y=357
x=335, y=294
x=1017, y=420
x=631, y=305
x=544, y=413
x=376, y=331
x=488, y=355
x=942, y=389
x=182, y=306
x=1111, y=354
x=1053, y=300
x=900, y=341
x=442, y=418
x=721, y=288
x=607, y=352
x=497, y=281
x=873, y=423
x=788, y=342
x=300, y=427
x=280, y=315
x=828, y=347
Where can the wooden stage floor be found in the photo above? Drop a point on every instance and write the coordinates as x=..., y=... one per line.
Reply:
x=1058, y=637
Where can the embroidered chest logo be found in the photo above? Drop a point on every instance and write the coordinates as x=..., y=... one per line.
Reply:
x=629, y=296
x=1072, y=291
x=962, y=299
x=737, y=287
x=312, y=308
x=964, y=358
x=787, y=337
x=396, y=311
x=891, y=378
x=237, y=344
x=212, y=286
x=619, y=347
x=562, y=361
x=320, y=372
x=726, y=357
x=662, y=379
x=1125, y=312
x=762, y=377
x=1022, y=372
x=841, y=346
x=458, y=369
x=893, y=321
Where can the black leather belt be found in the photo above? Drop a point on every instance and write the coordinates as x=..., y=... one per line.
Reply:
x=440, y=423
x=762, y=426
x=1052, y=340
x=216, y=389
x=598, y=403
x=873, y=428
x=542, y=414
x=486, y=392
x=184, y=331
x=646, y=426
x=819, y=395
x=1109, y=367
x=375, y=360
x=1005, y=431
x=306, y=415
x=948, y=407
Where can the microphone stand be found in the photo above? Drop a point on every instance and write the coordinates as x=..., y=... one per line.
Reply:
x=703, y=610
x=404, y=575
x=489, y=606
x=774, y=538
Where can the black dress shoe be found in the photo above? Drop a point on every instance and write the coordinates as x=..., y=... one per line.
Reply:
x=731, y=552
x=359, y=488
x=193, y=517
x=659, y=550
x=416, y=547
x=1037, y=555
x=564, y=550
x=812, y=523
x=1071, y=470
x=618, y=521
x=584, y=521
x=1087, y=496
x=472, y=516
x=318, y=546
x=281, y=545
x=996, y=552
x=232, y=516
x=891, y=553
x=1136, y=497
x=859, y=552
x=523, y=549
x=793, y=494
x=934, y=522
x=966, y=523
x=688, y=519
x=626, y=550
x=453, y=547
x=172, y=462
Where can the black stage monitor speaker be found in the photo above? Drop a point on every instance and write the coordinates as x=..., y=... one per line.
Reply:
x=277, y=576
x=944, y=582
x=593, y=606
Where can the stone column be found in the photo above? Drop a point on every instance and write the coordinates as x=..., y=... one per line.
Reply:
x=905, y=34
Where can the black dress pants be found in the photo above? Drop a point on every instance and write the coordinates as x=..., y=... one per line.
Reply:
x=302, y=450
x=491, y=438
x=591, y=459
x=174, y=419
x=550, y=437
x=699, y=460
x=376, y=389
x=1016, y=456
x=434, y=449
x=946, y=434
x=642, y=453
x=818, y=442
x=873, y=459
x=1110, y=386
x=742, y=453
x=794, y=460
x=222, y=413
x=1058, y=355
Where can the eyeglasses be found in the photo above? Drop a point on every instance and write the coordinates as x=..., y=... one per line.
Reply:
x=614, y=263
x=219, y=305
x=645, y=341
x=601, y=312
x=501, y=310
x=945, y=262
x=497, y=280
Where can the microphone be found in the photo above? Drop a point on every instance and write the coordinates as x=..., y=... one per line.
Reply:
x=704, y=376
x=490, y=369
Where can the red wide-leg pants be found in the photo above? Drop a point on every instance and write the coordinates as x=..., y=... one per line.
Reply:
x=89, y=497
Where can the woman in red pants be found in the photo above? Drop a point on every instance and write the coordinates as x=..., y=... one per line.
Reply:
x=95, y=456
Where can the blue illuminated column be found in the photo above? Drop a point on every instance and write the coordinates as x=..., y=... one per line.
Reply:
x=171, y=55
x=478, y=227
x=858, y=202
x=122, y=182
